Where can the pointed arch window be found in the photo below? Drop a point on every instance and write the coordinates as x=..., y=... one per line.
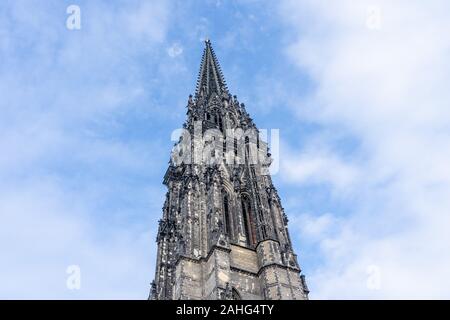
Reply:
x=220, y=123
x=226, y=213
x=250, y=234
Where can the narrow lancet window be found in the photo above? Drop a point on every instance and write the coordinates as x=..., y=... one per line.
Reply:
x=248, y=221
x=226, y=213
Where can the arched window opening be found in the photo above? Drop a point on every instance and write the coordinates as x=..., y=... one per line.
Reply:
x=220, y=124
x=226, y=213
x=248, y=221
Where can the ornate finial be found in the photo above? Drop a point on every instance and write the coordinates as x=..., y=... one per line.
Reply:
x=210, y=79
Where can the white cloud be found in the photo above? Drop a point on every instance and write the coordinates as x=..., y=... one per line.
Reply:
x=175, y=50
x=44, y=231
x=314, y=165
x=314, y=228
x=69, y=192
x=388, y=88
x=147, y=20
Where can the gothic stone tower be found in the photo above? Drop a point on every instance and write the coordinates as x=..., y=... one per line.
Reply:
x=223, y=234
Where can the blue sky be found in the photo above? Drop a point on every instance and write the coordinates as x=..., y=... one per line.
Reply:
x=358, y=91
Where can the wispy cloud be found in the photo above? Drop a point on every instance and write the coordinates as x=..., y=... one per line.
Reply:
x=175, y=50
x=75, y=190
x=385, y=87
x=316, y=165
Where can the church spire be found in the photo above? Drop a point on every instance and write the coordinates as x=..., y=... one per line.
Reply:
x=210, y=78
x=223, y=232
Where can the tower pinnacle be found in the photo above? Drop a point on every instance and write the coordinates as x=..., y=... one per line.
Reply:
x=210, y=78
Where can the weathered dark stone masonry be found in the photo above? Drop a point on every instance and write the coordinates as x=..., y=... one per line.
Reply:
x=223, y=234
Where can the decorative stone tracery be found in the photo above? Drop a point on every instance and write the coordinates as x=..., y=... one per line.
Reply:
x=224, y=233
